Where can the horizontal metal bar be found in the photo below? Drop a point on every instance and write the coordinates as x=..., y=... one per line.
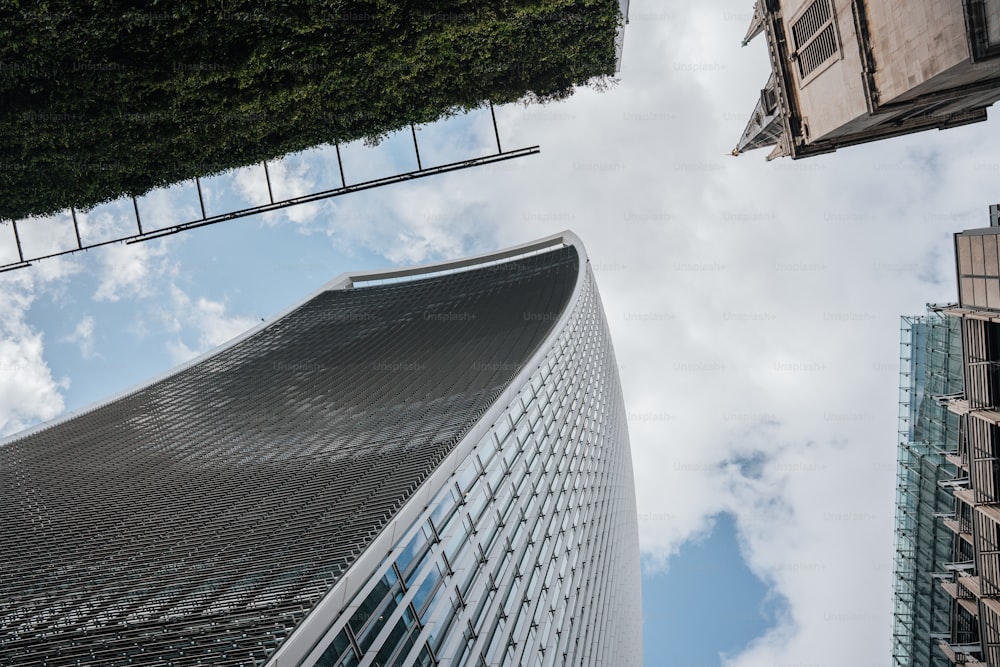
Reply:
x=326, y=194
x=15, y=265
x=286, y=203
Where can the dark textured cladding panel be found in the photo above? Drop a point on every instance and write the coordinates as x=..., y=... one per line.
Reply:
x=198, y=520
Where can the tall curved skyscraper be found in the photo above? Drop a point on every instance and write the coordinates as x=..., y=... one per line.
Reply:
x=426, y=466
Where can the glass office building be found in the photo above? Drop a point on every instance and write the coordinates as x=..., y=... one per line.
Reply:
x=426, y=466
x=950, y=470
x=930, y=373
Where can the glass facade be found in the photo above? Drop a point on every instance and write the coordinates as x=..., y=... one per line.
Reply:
x=426, y=472
x=930, y=373
x=528, y=555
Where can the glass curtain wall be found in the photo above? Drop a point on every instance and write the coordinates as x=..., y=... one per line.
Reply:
x=930, y=371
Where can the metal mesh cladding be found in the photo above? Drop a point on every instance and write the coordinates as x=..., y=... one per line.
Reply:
x=199, y=519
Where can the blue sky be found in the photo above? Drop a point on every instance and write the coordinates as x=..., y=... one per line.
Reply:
x=754, y=308
x=706, y=603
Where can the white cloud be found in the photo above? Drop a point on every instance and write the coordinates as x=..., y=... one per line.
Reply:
x=28, y=391
x=209, y=321
x=130, y=271
x=412, y=223
x=290, y=177
x=216, y=326
x=83, y=337
x=180, y=352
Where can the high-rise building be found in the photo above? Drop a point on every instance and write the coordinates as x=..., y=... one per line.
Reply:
x=846, y=72
x=425, y=466
x=973, y=576
x=930, y=372
x=950, y=469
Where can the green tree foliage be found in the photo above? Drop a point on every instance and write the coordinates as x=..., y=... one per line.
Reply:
x=103, y=98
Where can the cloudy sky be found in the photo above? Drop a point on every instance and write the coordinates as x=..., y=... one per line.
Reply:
x=754, y=307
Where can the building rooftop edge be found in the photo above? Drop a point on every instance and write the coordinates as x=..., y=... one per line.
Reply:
x=772, y=116
x=564, y=238
x=756, y=23
x=344, y=281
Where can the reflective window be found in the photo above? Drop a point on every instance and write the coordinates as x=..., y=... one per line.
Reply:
x=414, y=552
x=337, y=650
x=378, y=618
x=439, y=633
x=427, y=594
x=375, y=600
x=447, y=505
x=399, y=642
x=466, y=477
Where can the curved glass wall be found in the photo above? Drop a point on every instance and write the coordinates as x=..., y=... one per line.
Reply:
x=528, y=555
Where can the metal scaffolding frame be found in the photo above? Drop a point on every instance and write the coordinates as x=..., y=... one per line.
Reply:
x=23, y=260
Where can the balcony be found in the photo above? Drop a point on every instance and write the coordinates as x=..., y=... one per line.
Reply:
x=962, y=654
x=961, y=528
